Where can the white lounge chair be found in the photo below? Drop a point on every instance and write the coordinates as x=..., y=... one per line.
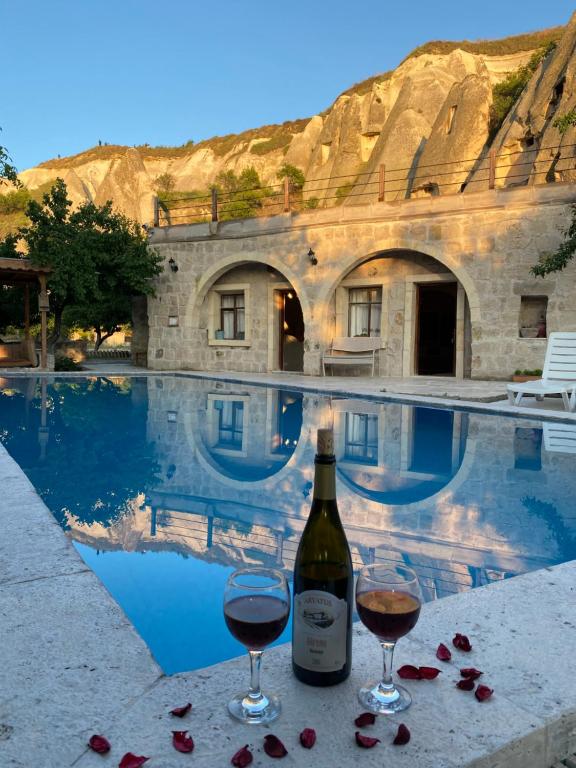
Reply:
x=558, y=375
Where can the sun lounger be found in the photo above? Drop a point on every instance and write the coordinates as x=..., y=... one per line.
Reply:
x=558, y=374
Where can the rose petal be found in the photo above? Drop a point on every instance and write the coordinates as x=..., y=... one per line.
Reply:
x=308, y=738
x=467, y=684
x=471, y=673
x=461, y=642
x=242, y=758
x=366, y=741
x=274, y=747
x=403, y=735
x=483, y=692
x=408, y=672
x=132, y=761
x=428, y=673
x=99, y=744
x=182, y=742
x=181, y=711
x=443, y=653
x=366, y=718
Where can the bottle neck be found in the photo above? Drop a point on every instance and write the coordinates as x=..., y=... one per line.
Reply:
x=324, y=479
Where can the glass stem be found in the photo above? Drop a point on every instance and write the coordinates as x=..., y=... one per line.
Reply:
x=255, y=662
x=388, y=656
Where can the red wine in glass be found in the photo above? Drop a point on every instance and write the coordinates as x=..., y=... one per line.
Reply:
x=256, y=610
x=256, y=620
x=388, y=601
x=388, y=615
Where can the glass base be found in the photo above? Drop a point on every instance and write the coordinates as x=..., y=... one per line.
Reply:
x=382, y=700
x=265, y=709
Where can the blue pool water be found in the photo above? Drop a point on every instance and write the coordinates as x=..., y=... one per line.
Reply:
x=167, y=484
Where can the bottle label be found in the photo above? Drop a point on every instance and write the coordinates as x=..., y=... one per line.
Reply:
x=320, y=628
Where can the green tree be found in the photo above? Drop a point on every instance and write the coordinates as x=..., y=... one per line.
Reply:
x=8, y=173
x=164, y=184
x=559, y=259
x=241, y=196
x=294, y=175
x=98, y=257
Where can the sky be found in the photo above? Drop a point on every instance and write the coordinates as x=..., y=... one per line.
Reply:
x=150, y=71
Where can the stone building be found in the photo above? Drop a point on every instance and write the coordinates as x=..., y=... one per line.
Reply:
x=444, y=283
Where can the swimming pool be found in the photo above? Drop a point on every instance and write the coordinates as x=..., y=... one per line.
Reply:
x=166, y=484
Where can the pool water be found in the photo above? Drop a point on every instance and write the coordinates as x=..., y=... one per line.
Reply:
x=167, y=484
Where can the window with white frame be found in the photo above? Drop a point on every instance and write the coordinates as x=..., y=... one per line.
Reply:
x=232, y=315
x=361, y=438
x=364, y=311
x=230, y=423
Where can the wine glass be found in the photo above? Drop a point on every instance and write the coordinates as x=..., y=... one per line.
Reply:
x=388, y=601
x=256, y=610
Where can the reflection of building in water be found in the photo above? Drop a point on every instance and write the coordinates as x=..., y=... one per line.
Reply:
x=443, y=491
x=400, y=454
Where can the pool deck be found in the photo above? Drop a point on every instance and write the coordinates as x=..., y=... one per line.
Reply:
x=73, y=665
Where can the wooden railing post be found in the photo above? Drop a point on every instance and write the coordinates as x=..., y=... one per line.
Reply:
x=214, y=204
x=381, y=182
x=286, y=195
x=492, y=168
x=156, y=211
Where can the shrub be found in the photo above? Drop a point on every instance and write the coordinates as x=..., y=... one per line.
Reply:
x=14, y=201
x=311, y=203
x=63, y=363
x=507, y=93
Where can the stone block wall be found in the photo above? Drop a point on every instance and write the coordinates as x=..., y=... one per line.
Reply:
x=487, y=240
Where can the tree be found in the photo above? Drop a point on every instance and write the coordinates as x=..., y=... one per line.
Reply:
x=164, y=184
x=7, y=171
x=242, y=195
x=557, y=261
x=294, y=175
x=99, y=258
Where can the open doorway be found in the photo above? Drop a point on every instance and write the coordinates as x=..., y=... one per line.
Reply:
x=291, y=332
x=436, y=329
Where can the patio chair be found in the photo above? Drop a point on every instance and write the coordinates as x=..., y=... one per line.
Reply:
x=558, y=375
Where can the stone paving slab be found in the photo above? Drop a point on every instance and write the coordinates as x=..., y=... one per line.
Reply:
x=71, y=660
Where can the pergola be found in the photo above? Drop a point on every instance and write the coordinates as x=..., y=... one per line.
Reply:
x=21, y=272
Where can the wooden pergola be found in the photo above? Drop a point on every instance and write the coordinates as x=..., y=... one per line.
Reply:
x=21, y=272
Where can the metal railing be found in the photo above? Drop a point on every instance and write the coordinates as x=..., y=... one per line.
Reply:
x=384, y=184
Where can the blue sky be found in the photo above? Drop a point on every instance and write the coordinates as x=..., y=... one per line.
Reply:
x=137, y=71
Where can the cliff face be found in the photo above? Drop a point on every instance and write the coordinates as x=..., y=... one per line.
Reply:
x=434, y=108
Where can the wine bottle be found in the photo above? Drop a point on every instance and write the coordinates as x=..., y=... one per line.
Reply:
x=323, y=582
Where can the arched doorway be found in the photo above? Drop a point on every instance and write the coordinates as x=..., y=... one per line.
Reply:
x=415, y=304
x=254, y=317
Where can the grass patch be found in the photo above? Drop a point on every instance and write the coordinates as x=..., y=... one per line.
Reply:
x=280, y=141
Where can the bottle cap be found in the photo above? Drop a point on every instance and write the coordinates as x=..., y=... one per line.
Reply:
x=325, y=445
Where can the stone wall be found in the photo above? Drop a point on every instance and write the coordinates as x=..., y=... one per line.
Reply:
x=487, y=240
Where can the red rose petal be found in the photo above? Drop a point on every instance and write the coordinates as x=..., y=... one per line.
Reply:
x=467, y=684
x=182, y=742
x=461, y=642
x=99, y=744
x=274, y=747
x=443, y=653
x=132, y=761
x=471, y=673
x=366, y=741
x=181, y=711
x=366, y=718
x=483, y=692
x=428, y=673
x=403, y=735
x=242, y=758
x=308, y=738
x=408, y=672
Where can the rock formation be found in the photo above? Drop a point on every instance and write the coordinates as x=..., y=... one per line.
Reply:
x=419, y=122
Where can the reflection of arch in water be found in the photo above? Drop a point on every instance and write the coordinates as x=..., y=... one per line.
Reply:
x=232, y=468
x=363, y=469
